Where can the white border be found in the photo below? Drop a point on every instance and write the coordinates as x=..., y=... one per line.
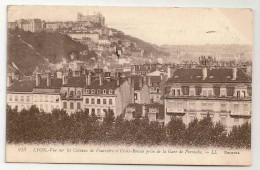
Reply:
x=254, y=4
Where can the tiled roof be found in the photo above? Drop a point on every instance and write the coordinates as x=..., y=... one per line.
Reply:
x=76, y=82
x=136, y=80
x=55, y=84
x=155, y=79
x=22, y=86
x=213, y=76
x=106, y=84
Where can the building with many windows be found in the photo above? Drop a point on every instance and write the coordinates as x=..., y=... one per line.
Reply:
x=223, y=94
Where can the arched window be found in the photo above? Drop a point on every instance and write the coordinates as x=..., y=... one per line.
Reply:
x=78, y=94
x=92, y=91
x=110, y=91
x=98, y=101
x=87, y=91
x=87, y=100
x=92, y=101
x=98, y=91
x=71, y=105
x=71, y=93
x=104, y=91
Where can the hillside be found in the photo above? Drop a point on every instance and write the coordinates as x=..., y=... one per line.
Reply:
x=28, y=50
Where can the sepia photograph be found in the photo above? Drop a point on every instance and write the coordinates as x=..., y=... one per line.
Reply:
x=129, y=85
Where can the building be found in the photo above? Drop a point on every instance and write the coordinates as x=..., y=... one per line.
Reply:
x=12, y=25
x=46, y=93
x=84, y=36
x=19, y=94
x=96, y=18
x=53, y=26
x=107, y=93
x=32, y=25
x=156, y=82
x=154, y=112
x=224, y=94
x=141, y=90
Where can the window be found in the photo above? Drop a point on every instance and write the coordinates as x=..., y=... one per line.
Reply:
x=104, y=91
x=28, y=98
x=36, y=98
x=135, y=96
x=41, y=107
x=204, y=93
x=236, y=107
x=104, y=101
x=223, y=92
x=92, y=101
x=87, y=100
x=22, y=98
x=98, y=101
x=223, y=107
x=243, y=93
x=238, y=94
x=10, y=98
x=64, y=105
x=245, y=107
x=71, y=105
x=71, y=93
x=78, y=94
x=223, y=120
x=98, y=91
x=178, y=92
x=185, y=90
x=87, y=110
x=110, y=102
x=46, y=98
x=87, y=91
x=110, y=91
x=78, y=106
x=192, y=105
x=51, y=99
x=210, y=93
x=104, y=110
x=92, y=111
x=92, y=91
x=40, y=98
x=57, y=99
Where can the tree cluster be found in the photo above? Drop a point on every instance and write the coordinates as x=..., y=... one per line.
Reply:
x=35, y=126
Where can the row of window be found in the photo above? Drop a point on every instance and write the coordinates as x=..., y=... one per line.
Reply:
x=97, y=112
x=22, y=98
x=46, y=98
x=99, y=91
x=70, y=105
x=98, y=101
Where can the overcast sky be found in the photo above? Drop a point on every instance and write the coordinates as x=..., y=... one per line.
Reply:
x=172, y=26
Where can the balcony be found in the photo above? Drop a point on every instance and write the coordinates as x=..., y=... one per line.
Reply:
x=176, y=111
x=240, y=113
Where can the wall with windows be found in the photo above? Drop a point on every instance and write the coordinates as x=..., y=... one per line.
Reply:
x=47, y=102
x=229, y=112
x=20, y=100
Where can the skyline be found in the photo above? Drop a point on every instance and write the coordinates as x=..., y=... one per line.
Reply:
x=157, y=25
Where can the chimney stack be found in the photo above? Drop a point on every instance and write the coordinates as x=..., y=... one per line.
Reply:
x=9, y=81
x=38, y=79
x=64, y=79
x=169, y=72
x=204, y=73
x=234, y=77
x=149, y=81
x=48, y=79
x=89, y=79
x=100, y=80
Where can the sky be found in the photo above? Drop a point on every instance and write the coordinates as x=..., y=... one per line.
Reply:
x=157, y=25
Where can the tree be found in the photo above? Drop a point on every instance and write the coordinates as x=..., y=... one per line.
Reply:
x=176, y=131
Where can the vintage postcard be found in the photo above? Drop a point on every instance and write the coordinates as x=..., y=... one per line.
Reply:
x=129, y=85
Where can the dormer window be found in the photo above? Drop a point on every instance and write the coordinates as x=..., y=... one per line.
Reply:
x=104, y=91
x=110, y=91
x=98, y=91
x=92, y=91
x=87, y=91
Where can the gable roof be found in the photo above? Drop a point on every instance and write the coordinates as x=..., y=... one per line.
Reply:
x=223, y=75
x=21, y=86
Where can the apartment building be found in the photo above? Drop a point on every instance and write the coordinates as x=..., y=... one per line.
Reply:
x=223, y=94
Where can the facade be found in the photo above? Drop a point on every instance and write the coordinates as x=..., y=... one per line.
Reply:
x=84, y=35
x=32, y=25
x=141, y=90
x=107, y=93
x=11, y=25
x=154, y=112
x=96, y=18
x=53, y=26
x=223, y=94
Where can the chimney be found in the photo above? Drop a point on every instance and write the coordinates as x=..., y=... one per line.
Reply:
x=48, y=79
x=140, y=82
x=89, y=79
x=204, y=73
x=64, y=79
x=86, y=77
x=100, y=80
x=143, y=110
x=9, y=81
x=38, y=79
x=169, y=72
x=149, y=81
x=234, y=77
